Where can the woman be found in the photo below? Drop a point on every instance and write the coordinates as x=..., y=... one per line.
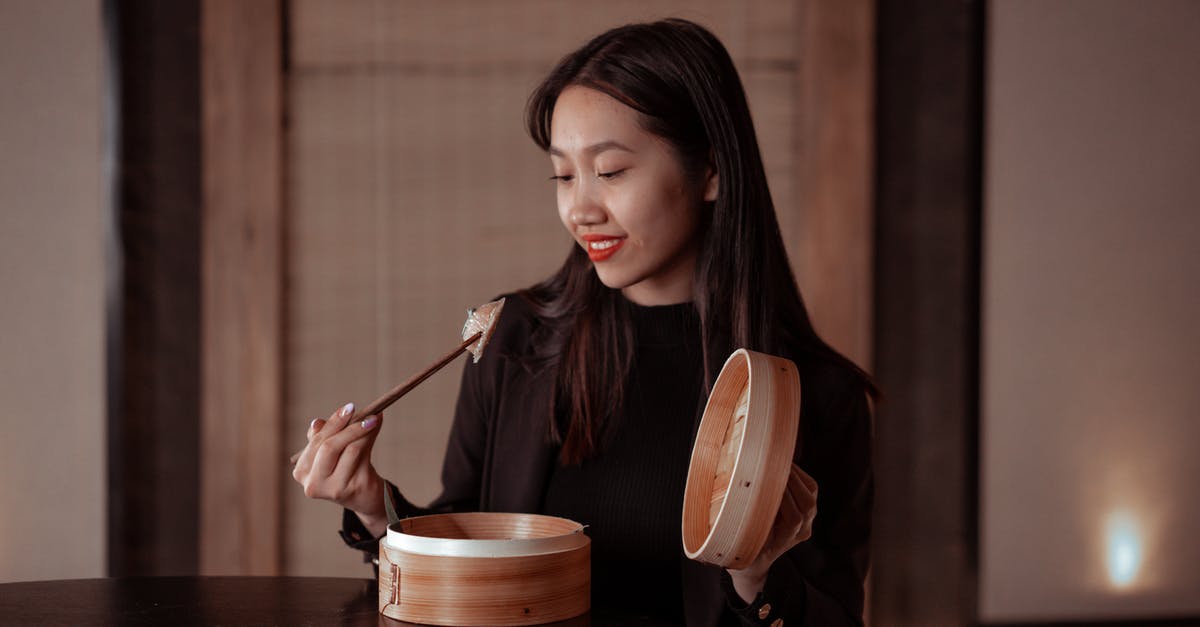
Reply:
x=585, y=403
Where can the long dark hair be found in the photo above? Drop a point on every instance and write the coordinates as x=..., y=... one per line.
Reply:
x=682, y=82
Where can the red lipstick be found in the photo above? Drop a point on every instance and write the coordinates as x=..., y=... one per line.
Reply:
x=600, y=247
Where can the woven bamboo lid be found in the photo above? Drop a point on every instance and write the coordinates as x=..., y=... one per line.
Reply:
x=741, y=459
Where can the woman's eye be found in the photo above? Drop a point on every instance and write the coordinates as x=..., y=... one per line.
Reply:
x=611, y=175
x=562, y=178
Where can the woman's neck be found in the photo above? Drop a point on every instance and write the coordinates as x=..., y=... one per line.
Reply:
x=671, y=286
x=647, y=298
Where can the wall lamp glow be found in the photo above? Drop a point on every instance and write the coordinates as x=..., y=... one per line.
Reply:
x=1124, y=547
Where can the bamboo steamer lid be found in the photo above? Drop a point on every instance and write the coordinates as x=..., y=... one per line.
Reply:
x=484, y=568
x=741, y=459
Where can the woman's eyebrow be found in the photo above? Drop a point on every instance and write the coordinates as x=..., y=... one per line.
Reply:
x=595, y=148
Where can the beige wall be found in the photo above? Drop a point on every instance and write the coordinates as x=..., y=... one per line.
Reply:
x=1091, y=341
x=52, y=461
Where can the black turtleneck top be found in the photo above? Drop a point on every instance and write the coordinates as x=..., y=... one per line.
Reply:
x=630, y=494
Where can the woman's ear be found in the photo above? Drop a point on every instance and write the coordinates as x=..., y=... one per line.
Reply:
x=711, y=185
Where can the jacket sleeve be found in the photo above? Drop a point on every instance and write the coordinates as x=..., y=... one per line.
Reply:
x=461, y=471
x=820, y=581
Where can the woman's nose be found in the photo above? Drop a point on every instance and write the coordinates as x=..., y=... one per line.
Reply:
x=585, y=211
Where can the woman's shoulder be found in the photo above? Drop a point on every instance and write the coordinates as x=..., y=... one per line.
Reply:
x=830, y=388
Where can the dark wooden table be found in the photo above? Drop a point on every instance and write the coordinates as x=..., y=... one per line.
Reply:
x=226, y=601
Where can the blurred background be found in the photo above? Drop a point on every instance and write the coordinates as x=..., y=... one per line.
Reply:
x=220, y=219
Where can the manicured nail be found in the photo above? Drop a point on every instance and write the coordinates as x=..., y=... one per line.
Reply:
x=348, y=409
x=370, y=422
x=313, y=424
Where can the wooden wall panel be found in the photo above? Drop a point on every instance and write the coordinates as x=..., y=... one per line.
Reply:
x=242, y=462
x=415, y=193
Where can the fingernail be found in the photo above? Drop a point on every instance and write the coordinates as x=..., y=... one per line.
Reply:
x=348, y=409
x=313, y=424
x=370, y=422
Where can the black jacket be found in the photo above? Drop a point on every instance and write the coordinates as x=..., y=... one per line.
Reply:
x=498, y=459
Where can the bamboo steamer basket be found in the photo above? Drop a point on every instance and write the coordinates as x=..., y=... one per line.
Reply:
x=741, y=459
x=484, y=568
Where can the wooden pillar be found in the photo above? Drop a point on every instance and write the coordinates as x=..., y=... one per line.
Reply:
x=836, y=163
x=927, y=321
x=242, y=461
x=154, y=325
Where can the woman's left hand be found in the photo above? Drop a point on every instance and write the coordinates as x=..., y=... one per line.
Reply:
x=793, y=525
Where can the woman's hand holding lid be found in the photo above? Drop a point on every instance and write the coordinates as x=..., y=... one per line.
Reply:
x=793, y=525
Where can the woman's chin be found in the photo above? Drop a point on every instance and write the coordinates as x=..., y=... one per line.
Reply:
x=611, y=279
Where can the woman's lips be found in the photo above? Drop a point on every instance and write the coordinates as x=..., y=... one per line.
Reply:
x=601, y=247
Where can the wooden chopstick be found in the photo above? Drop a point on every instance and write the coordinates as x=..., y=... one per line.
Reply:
x=385, y=401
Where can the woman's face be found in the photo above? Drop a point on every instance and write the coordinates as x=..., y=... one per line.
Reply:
x=623, y=195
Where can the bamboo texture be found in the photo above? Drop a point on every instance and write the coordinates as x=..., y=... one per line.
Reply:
x=741, y=459
x=457, y=579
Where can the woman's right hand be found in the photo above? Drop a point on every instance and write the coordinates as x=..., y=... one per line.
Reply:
x=335, y=465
